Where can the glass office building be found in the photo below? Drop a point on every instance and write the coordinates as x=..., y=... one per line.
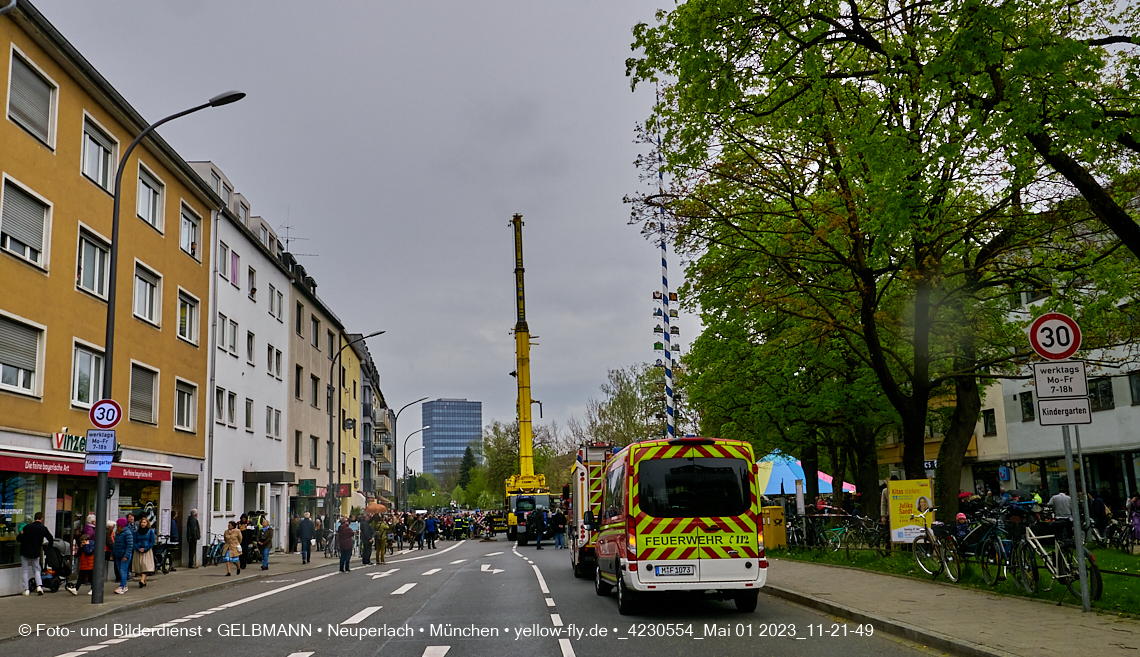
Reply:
x=455, y=424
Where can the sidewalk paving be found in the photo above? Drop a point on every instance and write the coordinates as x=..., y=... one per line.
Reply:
x=956, y=619
x=62, y=608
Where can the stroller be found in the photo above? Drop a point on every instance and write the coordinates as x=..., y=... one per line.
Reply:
x=57, y=566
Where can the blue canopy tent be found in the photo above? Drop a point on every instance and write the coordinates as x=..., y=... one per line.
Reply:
x=778, y=475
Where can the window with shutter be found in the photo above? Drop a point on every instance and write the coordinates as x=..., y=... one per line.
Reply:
x=98, y=154
x=30, y=100
x=22, y=221
x=146, y=294
x=142, y=394
x=19, y=352
x=149, y=199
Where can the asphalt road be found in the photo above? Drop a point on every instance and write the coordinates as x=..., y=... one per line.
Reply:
x=467, y=598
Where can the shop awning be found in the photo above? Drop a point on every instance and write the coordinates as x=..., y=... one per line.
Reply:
x=45, y=465
x=267, y=477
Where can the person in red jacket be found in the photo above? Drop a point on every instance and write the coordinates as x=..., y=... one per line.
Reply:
x=345, y=538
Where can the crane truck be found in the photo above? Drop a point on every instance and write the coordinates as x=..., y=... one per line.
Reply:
x=526, y=491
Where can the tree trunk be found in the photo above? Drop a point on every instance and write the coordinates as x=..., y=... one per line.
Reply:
x=866, y=467
x=809, y=460
x=948, y=475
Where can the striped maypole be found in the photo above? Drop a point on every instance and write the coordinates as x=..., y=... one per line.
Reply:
x=670, y=420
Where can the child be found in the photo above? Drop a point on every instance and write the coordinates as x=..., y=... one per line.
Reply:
x=962, y=527
x=86, y=561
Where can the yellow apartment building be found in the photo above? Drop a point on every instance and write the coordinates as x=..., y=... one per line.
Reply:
x=350, y=394
x=61, y=136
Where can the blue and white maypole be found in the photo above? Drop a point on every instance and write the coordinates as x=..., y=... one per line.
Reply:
x=670, y=419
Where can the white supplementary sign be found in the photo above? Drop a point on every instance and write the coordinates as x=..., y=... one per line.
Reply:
x=98, y=462
x=1060, y=379
x=1055, y=412
x=100, y=441
x=105, y=414
x=1055, y=336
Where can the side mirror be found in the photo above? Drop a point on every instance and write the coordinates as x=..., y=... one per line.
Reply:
x=588, y=520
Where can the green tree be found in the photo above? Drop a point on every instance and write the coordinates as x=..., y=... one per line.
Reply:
x=466, y=466
x=839, y=165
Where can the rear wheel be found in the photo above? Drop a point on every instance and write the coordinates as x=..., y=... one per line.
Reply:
x=1096, y=586
x=601, y=587
x=746, y=602
x=951, y=560
x=990, y=556
x=627, y=600
x=925, y=553
x=1025, y=567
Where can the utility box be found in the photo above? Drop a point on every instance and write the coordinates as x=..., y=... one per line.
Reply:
x=772, y=521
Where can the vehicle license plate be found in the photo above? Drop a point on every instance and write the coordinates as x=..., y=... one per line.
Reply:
x=675, y=570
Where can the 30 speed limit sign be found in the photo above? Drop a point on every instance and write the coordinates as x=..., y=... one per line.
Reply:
x=105, y=414
x=1055, y=336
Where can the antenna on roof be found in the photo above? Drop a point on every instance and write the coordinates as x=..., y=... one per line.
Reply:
x=288, y=239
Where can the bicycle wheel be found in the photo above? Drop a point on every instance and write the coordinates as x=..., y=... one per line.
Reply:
x=991, y=559
x=950, y=560
x=927, y=556
x=834, y=540
x=1096, y=585
x=1025, y=567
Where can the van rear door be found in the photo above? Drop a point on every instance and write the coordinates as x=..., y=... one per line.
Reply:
x=695, y=512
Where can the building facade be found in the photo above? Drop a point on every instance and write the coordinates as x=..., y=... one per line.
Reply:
x=61, y=137
x=453, y=426
x=375, y=431
x=248, y=364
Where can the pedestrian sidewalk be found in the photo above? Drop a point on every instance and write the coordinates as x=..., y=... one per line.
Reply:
x=62, y=608
x=956, y=619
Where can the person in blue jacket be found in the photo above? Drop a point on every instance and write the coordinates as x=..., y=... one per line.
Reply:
x=122, y=549
x=143, y=562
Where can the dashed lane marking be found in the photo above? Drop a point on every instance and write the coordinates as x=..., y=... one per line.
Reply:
x=404, y=589
x=111, y=642
x=556, y=620
x=92, y=648
x=541, y=580
x=550, y=602
x=436, y=651
x=567, y=648
x=433, y=571
x=301, y=654
x=456, y=561
x=492, y=554
x=364, y=613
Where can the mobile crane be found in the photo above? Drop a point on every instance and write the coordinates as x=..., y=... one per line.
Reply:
x=526, y=491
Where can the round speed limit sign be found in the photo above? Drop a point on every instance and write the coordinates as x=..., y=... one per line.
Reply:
x=105, y=414
x=1055, y=336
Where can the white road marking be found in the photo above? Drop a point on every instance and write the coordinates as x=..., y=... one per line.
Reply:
x=404, y=589
x=384, y=574
x=433, y=571
x=301, y=654
x=92, y=648
x=436, y=651
x=541, y=581
x=550, y=602
x=564, y=644
x=274, y=591
x=492, y=554
x=71, y=654
x=456, y=561
x=486, y=568
x=111, y=642
x=556, y=619
x=364, y=613
x=433, y=554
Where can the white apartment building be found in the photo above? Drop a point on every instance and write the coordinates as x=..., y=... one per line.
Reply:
x=249, y=386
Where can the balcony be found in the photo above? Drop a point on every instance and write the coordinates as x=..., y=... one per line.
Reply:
x=382, y=453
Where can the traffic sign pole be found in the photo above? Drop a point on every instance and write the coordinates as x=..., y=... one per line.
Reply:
x=1078, y=530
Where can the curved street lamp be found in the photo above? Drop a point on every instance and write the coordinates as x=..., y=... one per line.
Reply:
x=407, y=502
x=330, y=494
x=406, y=456
x=396, y=465
x=99, y=572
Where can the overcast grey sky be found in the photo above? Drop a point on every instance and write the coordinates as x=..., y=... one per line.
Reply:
x=398, y=138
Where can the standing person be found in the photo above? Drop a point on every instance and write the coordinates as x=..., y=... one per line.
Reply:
x=265, y=542
x=559, y=522
x=380, y=530
x=86, y=563
x=248, y=539
x=417, y=531
x=31, y=539
x=294, y=523
x=133, y=529
x=232, y=552
x=108, y=554
x=345, y=538
x=366, y=536
x=143, y=562
x=193, y=535
x=124, y=545
x=1134, y=515
x=538, y=526
x=1061, y=504
x=398, y=530
x=306, y=532
x=430, y=528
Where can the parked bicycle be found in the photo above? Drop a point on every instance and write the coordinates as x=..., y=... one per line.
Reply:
x=163, y=559
x=934, y=550
x=215, y=551
x=1061, y=561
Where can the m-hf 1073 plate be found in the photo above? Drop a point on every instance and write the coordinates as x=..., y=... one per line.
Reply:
x=674, y=570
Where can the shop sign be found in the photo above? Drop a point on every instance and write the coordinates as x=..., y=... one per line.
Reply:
x=75, y=468
x=69, y=442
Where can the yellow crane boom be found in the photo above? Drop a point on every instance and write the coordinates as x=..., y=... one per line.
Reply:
x=526, y=481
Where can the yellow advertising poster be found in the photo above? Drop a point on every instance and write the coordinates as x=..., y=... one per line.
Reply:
x=908, y=497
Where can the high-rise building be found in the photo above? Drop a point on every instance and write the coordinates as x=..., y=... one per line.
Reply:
x=453, y=425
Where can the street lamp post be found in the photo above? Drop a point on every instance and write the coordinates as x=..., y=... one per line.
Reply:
x=330, y=494
x=407, y=493
x=99, y=572
x=406, y=458
x=396, y=465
